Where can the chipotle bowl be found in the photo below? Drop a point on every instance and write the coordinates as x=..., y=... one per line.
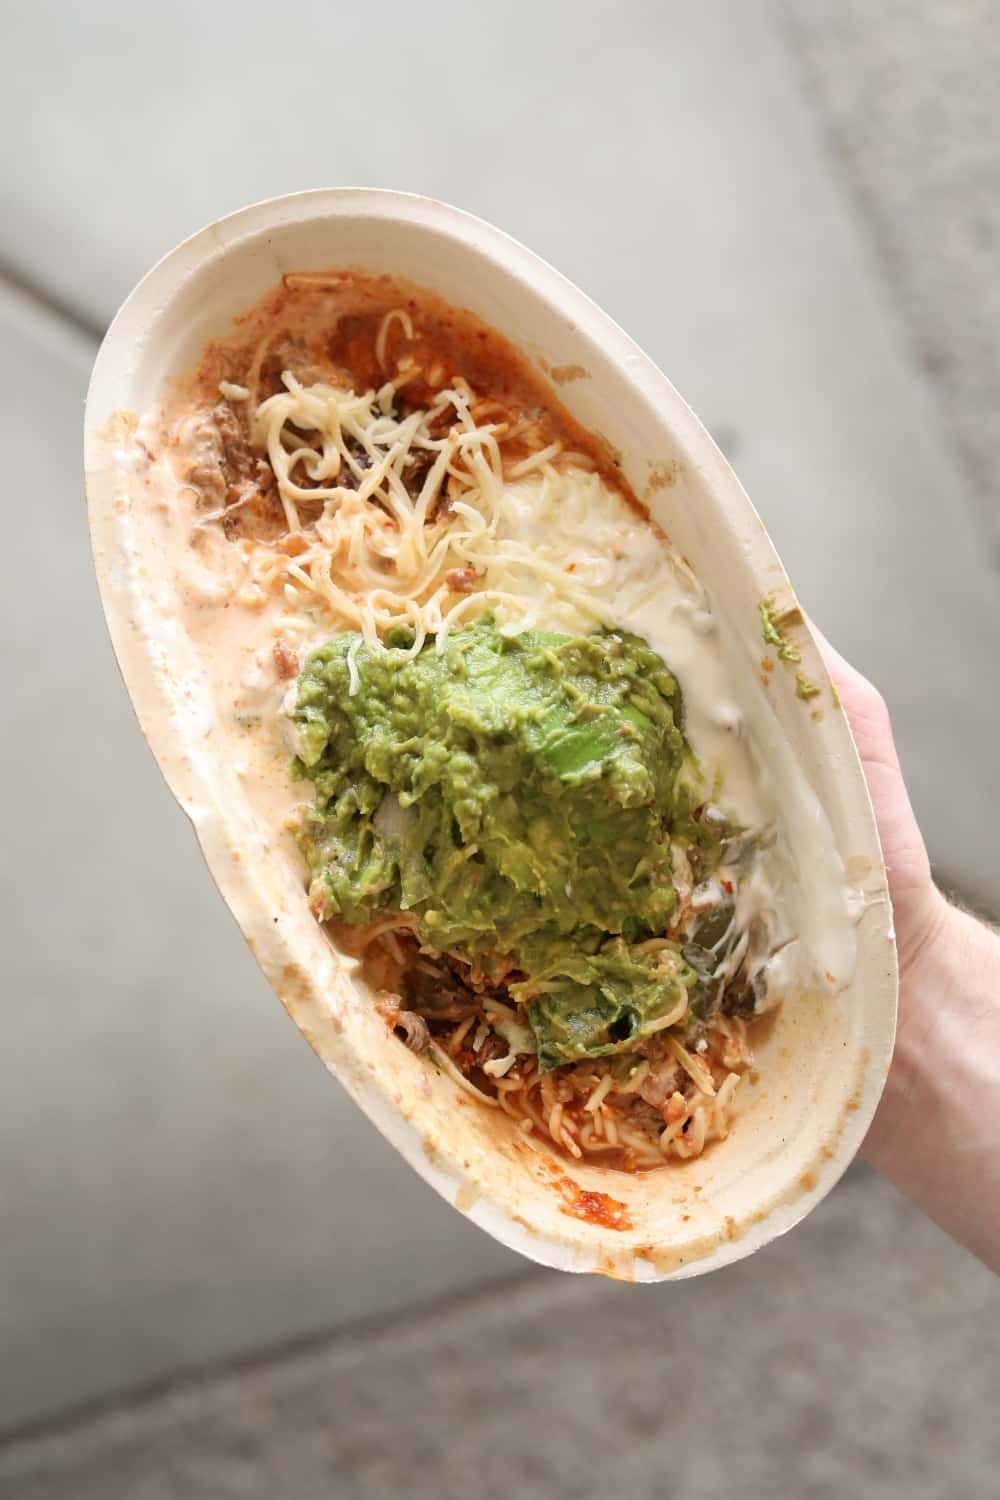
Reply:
x=499, y=726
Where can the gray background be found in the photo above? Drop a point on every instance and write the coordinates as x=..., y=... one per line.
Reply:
x=795, y=209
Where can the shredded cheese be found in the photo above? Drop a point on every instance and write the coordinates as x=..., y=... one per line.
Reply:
x=397, y=315
x=692, y=1065
x=384, y=508
x=447, y=1066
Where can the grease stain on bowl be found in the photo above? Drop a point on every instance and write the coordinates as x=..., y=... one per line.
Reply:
x=661, y=477
x=564, y=374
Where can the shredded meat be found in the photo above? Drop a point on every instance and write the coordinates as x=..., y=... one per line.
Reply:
x=206, y=477
x=238, y=460
x=293, y=354
x=285, y=660
x=228, y=475
x=409, y=1027
x=644, y=1117
x=659, y=1083
x=416, y=467
x=479, y=982
x=438, y=991
x=461, y=580
x=493, y=1048
x=653, y=1048
x=415, y=1032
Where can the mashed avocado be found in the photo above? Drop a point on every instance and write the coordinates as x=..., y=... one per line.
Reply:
x=521, y=795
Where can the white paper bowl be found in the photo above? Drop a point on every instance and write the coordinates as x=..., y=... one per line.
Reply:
x=822, y=1067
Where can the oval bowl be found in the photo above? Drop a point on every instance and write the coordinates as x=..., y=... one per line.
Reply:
x=821, y=1068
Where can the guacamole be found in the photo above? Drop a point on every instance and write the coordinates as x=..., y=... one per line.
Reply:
x=521, y=795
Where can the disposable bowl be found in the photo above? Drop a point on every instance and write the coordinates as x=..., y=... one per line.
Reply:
x=820, y=1069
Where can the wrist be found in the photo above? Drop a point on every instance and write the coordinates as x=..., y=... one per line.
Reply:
x=937, y=1131
x=932, y=997
x=923, y=933
x=946, y=972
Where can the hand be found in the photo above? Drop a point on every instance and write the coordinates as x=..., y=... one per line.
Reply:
x=919, y=909
x=936, y=1133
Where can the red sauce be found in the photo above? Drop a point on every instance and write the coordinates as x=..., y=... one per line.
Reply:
x=330, y=332
x=593, y=1208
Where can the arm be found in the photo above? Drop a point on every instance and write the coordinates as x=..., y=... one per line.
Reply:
x=937, y=1131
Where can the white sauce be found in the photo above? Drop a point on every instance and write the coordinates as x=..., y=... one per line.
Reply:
x=729, y=721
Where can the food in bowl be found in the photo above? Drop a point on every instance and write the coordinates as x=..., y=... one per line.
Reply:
x=470, y=678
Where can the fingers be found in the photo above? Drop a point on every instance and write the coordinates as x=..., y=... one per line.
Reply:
x=863, y=704
x=838, y=667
